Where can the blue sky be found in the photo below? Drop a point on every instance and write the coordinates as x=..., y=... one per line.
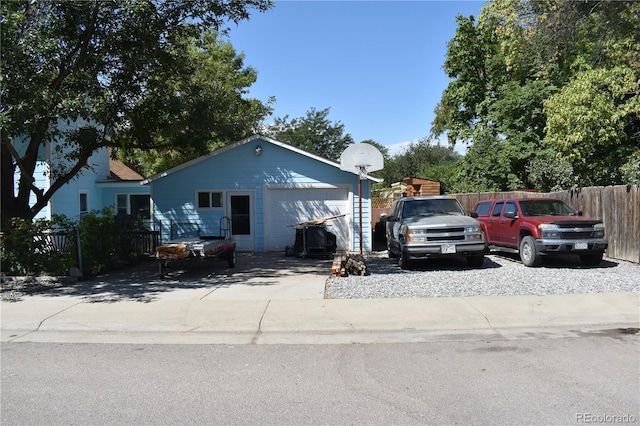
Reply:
x=376, y=64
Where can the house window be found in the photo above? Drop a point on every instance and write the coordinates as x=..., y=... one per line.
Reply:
x=83, y=202
x=122, y=204
x=140, y=205
x=209, y=200
x=134, y=204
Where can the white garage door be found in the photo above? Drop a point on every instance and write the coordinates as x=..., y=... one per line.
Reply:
x=286, y=206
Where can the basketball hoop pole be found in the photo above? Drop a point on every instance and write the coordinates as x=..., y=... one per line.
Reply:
x=362, y=170
x=361, y=158
x=360, y=208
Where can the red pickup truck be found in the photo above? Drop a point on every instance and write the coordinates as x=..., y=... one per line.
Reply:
x=536, y=227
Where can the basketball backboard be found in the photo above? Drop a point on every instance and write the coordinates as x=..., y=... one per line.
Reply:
x=361, y=158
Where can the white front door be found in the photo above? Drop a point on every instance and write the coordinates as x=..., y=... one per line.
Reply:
x=241, y=211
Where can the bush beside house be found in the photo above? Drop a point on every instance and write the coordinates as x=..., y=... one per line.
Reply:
x=50, y=247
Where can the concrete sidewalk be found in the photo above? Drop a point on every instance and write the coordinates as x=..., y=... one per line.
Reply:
x=269, y=300
x=309, y=320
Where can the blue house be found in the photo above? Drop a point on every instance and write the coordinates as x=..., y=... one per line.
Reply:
x=265, y=188
x=103, y=183
x=109, y=183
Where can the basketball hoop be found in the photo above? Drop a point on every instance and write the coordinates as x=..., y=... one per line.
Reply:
x=361, y=159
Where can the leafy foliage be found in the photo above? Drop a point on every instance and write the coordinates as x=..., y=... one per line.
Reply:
x=546, y=94
x=314, y=133
x=631, y=169
x=125, y=69
x=423, y=159
x=470, y=63
x=202, y=107
x=26, y=247
x=50, y=246
x=103, y=239
x=481, y=170
x=549, y=172
x=589, y=119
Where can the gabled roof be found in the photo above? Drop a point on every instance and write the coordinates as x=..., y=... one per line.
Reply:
x=242, y=142
x=121, y=172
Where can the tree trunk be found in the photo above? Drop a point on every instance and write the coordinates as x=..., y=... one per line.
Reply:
x=12, y=206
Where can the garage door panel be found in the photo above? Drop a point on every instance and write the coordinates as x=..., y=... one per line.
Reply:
x=290, y=206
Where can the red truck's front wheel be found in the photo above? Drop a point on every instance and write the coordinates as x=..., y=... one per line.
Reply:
x=528, y=253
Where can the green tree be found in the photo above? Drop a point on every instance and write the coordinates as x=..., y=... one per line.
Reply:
x=480, y=169
x=314, y=133
x=594, y=120
x=99, y=61
x=549, y=171
x=423, y=159
x=471, y=64
x=518, y=114
x=204, y=107
x=524, y=74
x=594, y=123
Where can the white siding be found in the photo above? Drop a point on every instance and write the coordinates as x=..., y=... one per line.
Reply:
x=288, y=206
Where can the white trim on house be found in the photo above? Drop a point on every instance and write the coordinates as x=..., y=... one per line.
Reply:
x=244, y=242
x=118, y=184
x=87, y=201
x=209, y=191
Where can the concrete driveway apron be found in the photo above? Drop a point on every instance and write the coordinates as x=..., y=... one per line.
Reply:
x=256, y=276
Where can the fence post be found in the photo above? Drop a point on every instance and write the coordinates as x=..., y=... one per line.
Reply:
x=79, y=251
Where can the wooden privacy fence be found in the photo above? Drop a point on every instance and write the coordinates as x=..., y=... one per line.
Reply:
x=379, y=206
x=617, y=206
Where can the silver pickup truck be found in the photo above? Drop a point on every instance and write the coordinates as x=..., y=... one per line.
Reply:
x=433, y=226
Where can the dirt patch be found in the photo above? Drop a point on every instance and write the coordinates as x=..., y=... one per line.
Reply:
x=13, y=288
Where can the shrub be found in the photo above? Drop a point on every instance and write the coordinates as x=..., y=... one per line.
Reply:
x=50, y=246
x=105, y=239
x=32, y=248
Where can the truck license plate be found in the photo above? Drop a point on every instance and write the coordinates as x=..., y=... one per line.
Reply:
x=581, y=246
x=448, y=249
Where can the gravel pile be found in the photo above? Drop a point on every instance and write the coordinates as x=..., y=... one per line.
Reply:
x=499, y=276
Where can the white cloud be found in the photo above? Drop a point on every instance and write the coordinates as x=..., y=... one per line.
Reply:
x=399, y=148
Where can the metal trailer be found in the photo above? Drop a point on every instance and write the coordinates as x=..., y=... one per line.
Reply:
x=204, y=246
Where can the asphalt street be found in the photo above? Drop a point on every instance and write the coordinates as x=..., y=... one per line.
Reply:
x=534, y=379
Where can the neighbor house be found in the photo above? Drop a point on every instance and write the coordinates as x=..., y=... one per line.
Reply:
x=103, y=183
x=108, y=183
x=265, y=188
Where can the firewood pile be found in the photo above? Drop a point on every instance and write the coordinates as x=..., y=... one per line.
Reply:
x=350, y=264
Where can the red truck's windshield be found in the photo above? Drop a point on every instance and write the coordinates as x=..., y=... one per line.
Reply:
x=545, y=208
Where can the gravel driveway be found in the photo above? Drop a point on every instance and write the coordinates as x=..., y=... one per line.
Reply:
x=500, y=275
